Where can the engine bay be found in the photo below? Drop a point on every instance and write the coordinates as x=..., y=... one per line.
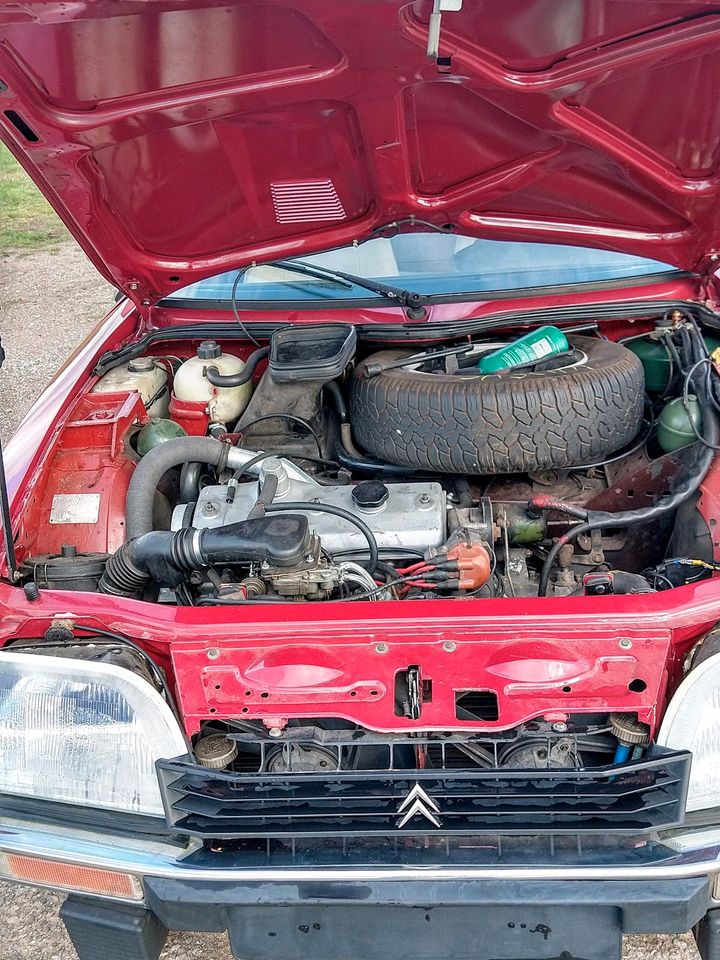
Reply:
x=317, y=469
x=313, y=469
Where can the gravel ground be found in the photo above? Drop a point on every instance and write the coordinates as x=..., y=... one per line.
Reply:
x=49, y=301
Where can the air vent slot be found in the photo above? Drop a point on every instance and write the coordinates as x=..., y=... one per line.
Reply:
x=24, y=129
x=306, y=201
x=476, y=705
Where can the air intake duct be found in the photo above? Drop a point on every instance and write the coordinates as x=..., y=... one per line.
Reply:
x=166, y=558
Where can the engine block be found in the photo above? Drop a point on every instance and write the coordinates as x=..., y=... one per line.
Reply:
x=412, y=516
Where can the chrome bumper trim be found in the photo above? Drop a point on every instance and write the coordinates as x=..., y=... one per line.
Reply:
x=165, y=860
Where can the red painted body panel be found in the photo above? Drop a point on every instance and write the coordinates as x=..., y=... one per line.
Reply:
x=533, y=671
x=91, y=457
x=548, y=634
x=179, y=140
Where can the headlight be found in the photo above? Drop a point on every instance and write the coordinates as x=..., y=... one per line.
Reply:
x=692, y=722
x=83, y=732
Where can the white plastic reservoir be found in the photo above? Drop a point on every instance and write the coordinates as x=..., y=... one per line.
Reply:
x=224, y=403
x=145, y=375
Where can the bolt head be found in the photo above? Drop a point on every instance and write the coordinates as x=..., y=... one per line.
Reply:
x=213, y=653
x=625, y=643
x=381, y=648
x=275, y=732
x=560, y=728
x=449, y=646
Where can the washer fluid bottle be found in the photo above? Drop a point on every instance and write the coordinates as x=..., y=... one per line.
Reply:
x=146, y=376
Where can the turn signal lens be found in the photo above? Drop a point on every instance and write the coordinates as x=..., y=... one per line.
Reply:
x=68, y=876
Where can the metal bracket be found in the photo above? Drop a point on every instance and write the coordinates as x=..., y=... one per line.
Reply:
x=5, y=506
x=439, y=7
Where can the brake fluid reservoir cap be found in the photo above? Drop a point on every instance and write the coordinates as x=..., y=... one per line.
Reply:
x=370, y=494
x=215, y=751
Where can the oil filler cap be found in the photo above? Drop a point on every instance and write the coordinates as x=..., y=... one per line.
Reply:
x=215, y=751
x=370, y=494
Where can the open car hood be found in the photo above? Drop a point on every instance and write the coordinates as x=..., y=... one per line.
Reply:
x=181, y=138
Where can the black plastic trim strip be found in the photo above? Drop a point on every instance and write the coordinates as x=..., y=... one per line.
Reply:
x=55, y=813
x=382, y=333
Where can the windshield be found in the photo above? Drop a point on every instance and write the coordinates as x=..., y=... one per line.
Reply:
x=432, y=264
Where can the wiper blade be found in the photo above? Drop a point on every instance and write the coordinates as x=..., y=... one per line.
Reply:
x=414, y=303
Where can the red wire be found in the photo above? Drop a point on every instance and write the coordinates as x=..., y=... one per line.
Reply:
x=415, y=568
x=412, y=566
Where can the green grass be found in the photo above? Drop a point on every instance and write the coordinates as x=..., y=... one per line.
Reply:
x=27, y=221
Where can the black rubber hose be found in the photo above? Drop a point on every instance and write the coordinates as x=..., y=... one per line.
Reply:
x=154, y=465
x=190, y=482
x=336, y=512
x=217, y=379
x=377, y=468
x=266, y=496
x=339, y=400
x=346, y=437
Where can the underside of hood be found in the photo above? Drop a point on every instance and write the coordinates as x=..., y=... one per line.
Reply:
x=181, y=138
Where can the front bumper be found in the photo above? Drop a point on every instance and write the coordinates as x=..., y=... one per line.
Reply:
x=409, y=912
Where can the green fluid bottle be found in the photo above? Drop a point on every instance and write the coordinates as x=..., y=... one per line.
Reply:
x=158, y=430
x=656, y=362
x=538, y=345
x=674, y=429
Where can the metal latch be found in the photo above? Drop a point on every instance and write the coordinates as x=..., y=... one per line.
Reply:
x=439, y=7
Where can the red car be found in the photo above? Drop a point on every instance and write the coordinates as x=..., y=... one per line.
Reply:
x=359, y=594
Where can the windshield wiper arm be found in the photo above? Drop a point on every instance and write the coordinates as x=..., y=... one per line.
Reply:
x=414, y=303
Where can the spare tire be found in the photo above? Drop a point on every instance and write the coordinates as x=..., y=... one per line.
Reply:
x=510, y=422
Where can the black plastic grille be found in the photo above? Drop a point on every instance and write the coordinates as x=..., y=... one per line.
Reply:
x=635, y=798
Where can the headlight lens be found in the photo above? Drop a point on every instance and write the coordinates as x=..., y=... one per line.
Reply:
x=83, y=732
x=692, y=722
